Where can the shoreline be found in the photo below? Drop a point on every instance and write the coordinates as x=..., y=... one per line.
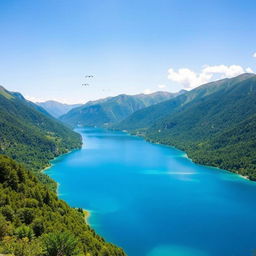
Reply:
x=86, y=212
x=50, y=164
x=87, y=215
x=185, y=154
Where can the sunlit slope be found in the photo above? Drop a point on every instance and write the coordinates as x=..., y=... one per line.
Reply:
x=29, y=134
x=214, y=123
x=29, y=211
x=112, y=110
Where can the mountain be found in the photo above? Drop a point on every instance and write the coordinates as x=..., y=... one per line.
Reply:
x=146, y=117
x=105, y=112
x=55, y=108
x=214, y=123
x=33, y=221
x=29, y=135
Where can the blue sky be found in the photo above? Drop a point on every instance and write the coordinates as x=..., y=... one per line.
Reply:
x=47, y=46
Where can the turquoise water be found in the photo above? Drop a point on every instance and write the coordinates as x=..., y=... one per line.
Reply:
x=153, y=201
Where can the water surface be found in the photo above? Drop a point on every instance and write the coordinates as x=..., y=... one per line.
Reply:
x=153, y=201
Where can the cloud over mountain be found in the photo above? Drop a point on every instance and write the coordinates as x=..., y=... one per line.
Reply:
x=190, y=79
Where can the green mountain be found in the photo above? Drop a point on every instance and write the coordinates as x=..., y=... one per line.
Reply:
x=111, y=110
x=29, y=135
x=55, y=108
x=34, y=222
x=214, y=124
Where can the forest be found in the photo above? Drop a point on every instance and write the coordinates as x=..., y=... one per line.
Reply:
x=33, y=221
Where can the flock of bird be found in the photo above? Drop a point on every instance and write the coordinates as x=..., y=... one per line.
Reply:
x=87, y=76
x=87, y=84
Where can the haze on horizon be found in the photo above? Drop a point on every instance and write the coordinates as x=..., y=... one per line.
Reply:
x=48, y=46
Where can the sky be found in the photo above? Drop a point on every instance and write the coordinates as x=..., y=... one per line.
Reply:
x=130, y=46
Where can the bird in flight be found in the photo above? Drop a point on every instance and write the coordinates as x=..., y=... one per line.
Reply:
x=87, y=76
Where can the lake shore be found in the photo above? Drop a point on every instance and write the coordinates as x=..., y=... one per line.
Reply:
x=87, y=215
x=141, y=135
x=86, y=212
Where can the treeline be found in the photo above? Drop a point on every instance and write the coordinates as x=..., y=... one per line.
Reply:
x=33, y=221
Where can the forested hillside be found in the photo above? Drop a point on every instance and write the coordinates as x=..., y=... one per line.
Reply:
x=214, y=124
x=34, y=222
x=108, y=111
x=29, y=135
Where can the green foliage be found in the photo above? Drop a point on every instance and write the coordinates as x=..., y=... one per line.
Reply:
x=214, y=123
x=30, y=212
x=30, y=215
x=24, y=232
x=8, y=212
x=31, y=136
x=111, y=110
x=21, y=247
x=61, y=244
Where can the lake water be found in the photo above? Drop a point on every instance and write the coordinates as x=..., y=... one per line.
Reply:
x=153, y=201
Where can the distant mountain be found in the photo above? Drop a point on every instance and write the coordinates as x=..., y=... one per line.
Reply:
x=55, y=108
x=146, y=117
x=105, y=112
x=30, y=135
x=214, y=123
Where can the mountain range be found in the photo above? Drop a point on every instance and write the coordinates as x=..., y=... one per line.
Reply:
x=105, y=112
x=214, y=123
x=55, y=108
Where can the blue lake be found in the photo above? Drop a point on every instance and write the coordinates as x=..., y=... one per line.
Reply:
x=153, y=201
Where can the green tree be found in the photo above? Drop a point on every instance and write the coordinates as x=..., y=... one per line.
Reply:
x=8, y=212
x=24, y=231
x=4, y=227
x=61, y=244
x=38, y=227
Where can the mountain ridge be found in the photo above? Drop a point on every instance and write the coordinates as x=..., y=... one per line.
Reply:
x=106, y=111
x=55, y=108
x=30, y=135
x=214, y=123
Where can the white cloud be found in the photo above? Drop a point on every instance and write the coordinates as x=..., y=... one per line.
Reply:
x=148, y=91
x=187, y=77
x=161, y=86
x=254, y=55
x=190, y=79
x=224, y=71
x=249, y=70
